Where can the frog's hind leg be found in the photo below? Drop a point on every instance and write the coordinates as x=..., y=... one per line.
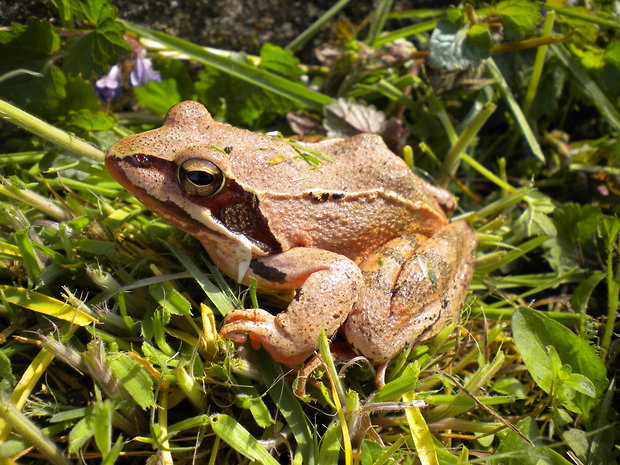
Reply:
x=413, y=287
x=327, y=285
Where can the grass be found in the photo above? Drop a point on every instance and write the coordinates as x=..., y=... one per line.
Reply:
x=109, y=351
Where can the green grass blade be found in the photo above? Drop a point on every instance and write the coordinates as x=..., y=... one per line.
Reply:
x=584, y=17
x=600, y=100
x=288, y=404
x=48, y=132
x=405, y=32
x=379, y=16
x=539, y=63
x=22, y=424
x=240, y=439
x=46, y=305
x=512, y=255
x=315, y=27
x=240, y=70
x=217, y=296
x=515, y=109
x=451, y=162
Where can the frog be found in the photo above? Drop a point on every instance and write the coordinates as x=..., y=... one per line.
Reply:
x=355, y=243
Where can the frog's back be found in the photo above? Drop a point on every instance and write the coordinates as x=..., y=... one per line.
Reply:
x=363, y=198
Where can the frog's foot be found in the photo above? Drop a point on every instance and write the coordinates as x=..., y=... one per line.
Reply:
x=263, y=330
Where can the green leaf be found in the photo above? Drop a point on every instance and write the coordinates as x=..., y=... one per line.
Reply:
x=510, y=386
x=519, y=18
x=241, y=70
x=479, y=37
x=249, y=398
x=515, y=450
x=158, y=97
x=371, y=451
x=102, y=425
x=7, y=379
x=35, y=83
x=95, y=52
x=455, y=49
x=89, y=120
x=288, y=405
x=535, y=220
x=28, y=46
x=114, y=452
x=579, y=442
x=239, y=438
x=456, y=16
x=577, y=223
x=329, y=450
x=612, y=54
x=581, y=384
x=133, y=377
x=608, y=230
x=279, y=60
x=81, y=432
x=534, y=332
x=97, y=11
x=581, y=295
x=46, y=305
x=170, y=299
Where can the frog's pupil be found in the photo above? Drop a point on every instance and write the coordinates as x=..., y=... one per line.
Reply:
x=200, y=178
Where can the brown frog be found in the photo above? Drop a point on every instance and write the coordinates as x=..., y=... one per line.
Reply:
x=358, y=243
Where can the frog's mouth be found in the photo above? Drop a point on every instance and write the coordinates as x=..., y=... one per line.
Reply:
x=233, y=208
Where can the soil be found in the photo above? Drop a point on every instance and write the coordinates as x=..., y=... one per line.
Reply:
x=226, y=24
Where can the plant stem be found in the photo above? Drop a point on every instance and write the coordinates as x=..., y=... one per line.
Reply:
x=451, y=162
x=379, y=16
x=538, y=64
x=22, y=424
x=48, y=132
x=315, y=27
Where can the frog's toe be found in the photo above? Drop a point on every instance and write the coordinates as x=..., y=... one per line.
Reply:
x=262, y=329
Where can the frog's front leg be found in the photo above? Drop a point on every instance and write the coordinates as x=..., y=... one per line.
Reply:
x=413, y=287
x=327, y=286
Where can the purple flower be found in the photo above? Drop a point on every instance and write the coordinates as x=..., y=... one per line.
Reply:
x=109, y=86
x=143, y=71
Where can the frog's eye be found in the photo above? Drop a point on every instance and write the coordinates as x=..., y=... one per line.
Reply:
x=200, y=177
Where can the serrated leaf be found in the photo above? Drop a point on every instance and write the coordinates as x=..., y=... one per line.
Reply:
x=345, y=118
x=279, y=60
x=92, y=121
x=577, y=222
x=93, y=53
x=456, y=16
x=612, y=54
x=519, y=18
x=158, y=97
x=451, y=48
x=535, y=220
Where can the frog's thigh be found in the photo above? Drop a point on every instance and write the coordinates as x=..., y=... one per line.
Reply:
x=328, y=284
x=426, y=293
